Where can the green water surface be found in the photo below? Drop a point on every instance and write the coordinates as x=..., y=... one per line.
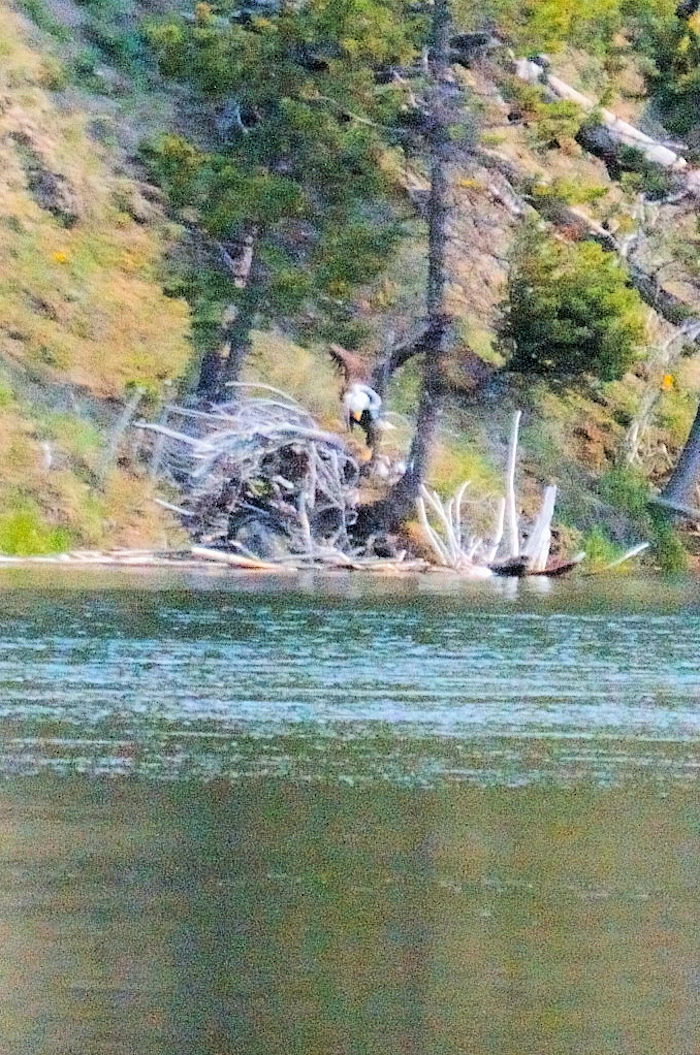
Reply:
x=348, y=817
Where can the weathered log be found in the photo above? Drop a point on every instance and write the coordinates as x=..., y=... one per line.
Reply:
x=235, y=559
x=691, y=512
x=619, y=133
x=553, y=569
x=670, y=306
x=513, y=568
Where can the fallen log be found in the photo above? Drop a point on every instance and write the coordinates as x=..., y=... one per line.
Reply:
x=667, y=304
x=521, y=567
x=512, y=568
x=675, y=507
x=553, y=569
x=236, y=560
x=608, y=131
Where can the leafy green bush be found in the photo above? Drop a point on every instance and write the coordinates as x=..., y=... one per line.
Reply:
x=642, y=175
x=567, y=192
x=569, y=310
x=669, y=551
x=124, y=47
x=55, y=75
x=24, y=532
x=168, y=41
x=600, y=550
x=549, y=124
x=176, y=164
x=673, y=45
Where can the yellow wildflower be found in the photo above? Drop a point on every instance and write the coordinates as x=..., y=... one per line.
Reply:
x=59, y=257
x=667, y=382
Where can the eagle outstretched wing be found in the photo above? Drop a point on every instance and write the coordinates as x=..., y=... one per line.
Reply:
x=353, y=368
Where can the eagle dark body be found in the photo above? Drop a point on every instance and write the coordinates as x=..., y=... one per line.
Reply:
x=365, y=423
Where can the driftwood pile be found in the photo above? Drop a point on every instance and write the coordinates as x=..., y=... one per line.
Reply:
x=259, y=484
x=260, y=469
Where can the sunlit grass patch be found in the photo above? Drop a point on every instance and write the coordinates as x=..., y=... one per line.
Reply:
x=306, y=374
x=458, y=459
x=24, y=531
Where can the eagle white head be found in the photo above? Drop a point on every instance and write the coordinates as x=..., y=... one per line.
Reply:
x=360, y=398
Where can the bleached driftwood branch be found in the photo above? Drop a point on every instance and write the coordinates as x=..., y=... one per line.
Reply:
x=538, y=544
x=446, y=542
x=511, y=510
x=261, y=460
x=455, y=546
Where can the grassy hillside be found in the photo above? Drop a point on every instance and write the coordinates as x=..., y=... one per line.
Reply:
x=83, y=315
x=85, y=319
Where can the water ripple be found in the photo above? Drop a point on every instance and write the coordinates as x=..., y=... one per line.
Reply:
x=158, y=684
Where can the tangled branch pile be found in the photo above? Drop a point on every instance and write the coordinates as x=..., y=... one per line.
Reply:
x=258, y=475
x=262, y=486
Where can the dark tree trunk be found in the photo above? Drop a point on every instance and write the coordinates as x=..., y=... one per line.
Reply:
x=237, y=338
x=400, y=502
x=209, y=372
x=681, y=485
x=221, y=367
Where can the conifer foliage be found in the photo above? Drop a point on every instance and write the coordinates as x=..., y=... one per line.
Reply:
x=292, y=177
x=569, y=310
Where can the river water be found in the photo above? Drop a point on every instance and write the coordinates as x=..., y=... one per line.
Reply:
x=341, y=815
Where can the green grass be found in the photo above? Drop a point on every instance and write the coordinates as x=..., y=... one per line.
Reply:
x=626, y=489
x=599, y=548
x=24, y=532
x=42, y=18
x=76, y=437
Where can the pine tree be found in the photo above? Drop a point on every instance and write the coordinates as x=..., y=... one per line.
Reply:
x=296, y=194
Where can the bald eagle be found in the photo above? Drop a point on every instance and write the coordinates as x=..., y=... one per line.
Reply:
x=361, y=404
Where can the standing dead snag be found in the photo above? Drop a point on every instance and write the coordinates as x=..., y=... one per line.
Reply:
x=457, y=546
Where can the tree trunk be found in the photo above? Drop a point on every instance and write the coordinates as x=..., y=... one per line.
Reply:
x=680, y=487
x=222, y=366
x=237, y=337
x=400, y=502
x=209, y=371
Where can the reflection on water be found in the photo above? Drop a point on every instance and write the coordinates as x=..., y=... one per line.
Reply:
x=354, y=818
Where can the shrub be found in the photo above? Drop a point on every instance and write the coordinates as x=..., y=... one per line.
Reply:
x=23, y=532
x=569, y=310
x=42, y=17
x=176, y=164
x=627, y=489
x=54, y=75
